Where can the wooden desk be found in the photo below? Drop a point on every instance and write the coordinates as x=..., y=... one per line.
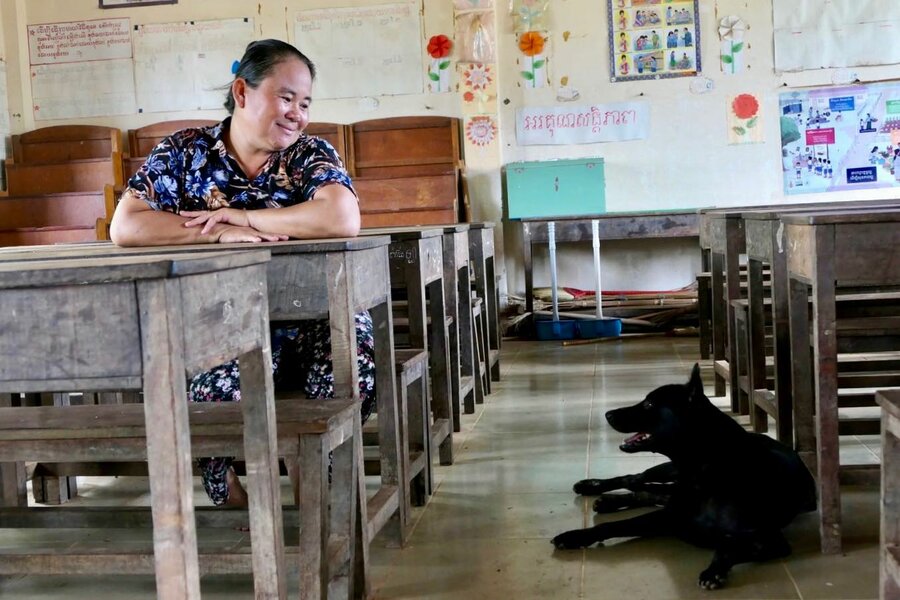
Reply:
x=481, y=255
x=417, y=264
x=828, y=251
x=317, y=279
x=889, y=583
x=613, y=226
x=146, y=323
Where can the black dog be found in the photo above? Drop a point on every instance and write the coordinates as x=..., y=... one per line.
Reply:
x=724, y=488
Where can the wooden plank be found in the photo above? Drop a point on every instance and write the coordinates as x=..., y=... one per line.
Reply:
x=75, y=176
x=72, y=210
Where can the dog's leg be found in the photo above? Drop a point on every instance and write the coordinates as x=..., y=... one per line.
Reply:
x=663, y=473
x=614, y=502
x=651, y=524
x=765, y=546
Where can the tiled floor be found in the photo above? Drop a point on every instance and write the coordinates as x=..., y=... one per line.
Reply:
x=485, y=532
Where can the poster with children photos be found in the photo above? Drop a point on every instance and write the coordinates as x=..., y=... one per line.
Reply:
x=653, y=39
x=840, y=139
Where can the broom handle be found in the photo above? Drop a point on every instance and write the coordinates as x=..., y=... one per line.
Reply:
x=595, y=227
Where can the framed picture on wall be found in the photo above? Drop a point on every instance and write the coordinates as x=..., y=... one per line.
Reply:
x=124, y=3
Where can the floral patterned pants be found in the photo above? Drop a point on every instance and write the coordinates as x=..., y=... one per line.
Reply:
x=301, y=357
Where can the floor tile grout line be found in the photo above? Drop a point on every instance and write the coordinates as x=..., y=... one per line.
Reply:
x=793, y=581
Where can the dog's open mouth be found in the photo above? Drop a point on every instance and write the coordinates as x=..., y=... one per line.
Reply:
x=635, y=442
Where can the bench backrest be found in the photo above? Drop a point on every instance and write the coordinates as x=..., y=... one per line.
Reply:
x=62, y=143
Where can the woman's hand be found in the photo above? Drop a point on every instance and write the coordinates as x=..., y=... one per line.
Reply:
x=231, y=233
x=209, y=218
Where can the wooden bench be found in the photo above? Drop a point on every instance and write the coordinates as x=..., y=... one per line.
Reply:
x=406, y=170
x=889, y=580
x=144, y=139
x=307, y=430
x=484, y=274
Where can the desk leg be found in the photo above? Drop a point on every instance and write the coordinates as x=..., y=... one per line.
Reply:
x=825, y=362
x=719, y=317
x=12, y=474
x=493, y=309
x=467, y=341
x=452, y=305
x=439, y=367
x=168, y=441
x=528, y=263
x=801, y=373
x=781, y=349
x=261, y=454
x=757, y=343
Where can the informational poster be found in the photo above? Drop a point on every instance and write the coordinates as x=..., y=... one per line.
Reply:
x=582, y=124
x=839, y=139
x=363, y=51
x=83, y=89
x=653, y=39
x=79, y=41
x=81, y=69
x=815, y=34
x=187, y=65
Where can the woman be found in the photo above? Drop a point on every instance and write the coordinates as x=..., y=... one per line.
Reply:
x=253, y=177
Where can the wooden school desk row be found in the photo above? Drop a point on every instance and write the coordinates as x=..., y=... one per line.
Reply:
x=94, y=317
x=810, y=330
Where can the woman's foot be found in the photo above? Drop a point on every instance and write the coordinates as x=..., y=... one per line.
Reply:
x=237, y=496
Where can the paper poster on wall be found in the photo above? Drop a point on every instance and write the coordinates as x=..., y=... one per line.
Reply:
x=586, y=124
x=479, y=87
x=79, y=41
x=744, y=120
x=369, y=50
x=529, y=15
x=186, y=65
x=83, y=89
x=652, y=39
x=439, y=48
x=533, y=49
x=815, y=34
x=731, y=33
x=839, y=139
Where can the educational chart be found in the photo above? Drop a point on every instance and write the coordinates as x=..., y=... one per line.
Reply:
x=839, y=139
x=812, y=34
x=81, y=69
x=187, y=65
x=653, y=39
x=363, y=51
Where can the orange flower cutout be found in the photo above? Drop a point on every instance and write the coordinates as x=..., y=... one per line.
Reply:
x=439, y=46
x=745, y=106
x=531, y=43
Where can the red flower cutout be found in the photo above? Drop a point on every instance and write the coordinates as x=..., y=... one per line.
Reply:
x=745, y=106
x=468, y=96
x=439, y=46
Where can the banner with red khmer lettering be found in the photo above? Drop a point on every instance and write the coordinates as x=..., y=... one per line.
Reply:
x=586, y=124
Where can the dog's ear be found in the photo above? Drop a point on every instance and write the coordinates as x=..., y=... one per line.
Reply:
x=695, y=384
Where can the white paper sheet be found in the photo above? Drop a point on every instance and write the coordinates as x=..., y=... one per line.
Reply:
x=78, y=41
x=83, y=89
x=585, y=124
x=815, y=34
x=185, y=66
x=4, y=110
x=364, y=51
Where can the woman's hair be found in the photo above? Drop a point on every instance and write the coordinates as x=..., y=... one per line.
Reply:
x=259, y=59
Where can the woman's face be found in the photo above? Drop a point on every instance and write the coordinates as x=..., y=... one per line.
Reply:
x=273, y=115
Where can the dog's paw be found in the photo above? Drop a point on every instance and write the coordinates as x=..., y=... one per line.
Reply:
x=610, y=503
x=570, y=540
x=589, y=487
x=712, y=579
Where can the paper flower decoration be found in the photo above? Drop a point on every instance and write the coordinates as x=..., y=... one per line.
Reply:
x=745, y=108
x=477, y=76
x=731, y=30
x=481, y=130
x=531, y=43
x=439, y=46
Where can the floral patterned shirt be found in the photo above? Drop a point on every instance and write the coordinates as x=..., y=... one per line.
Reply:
x=192, y=170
